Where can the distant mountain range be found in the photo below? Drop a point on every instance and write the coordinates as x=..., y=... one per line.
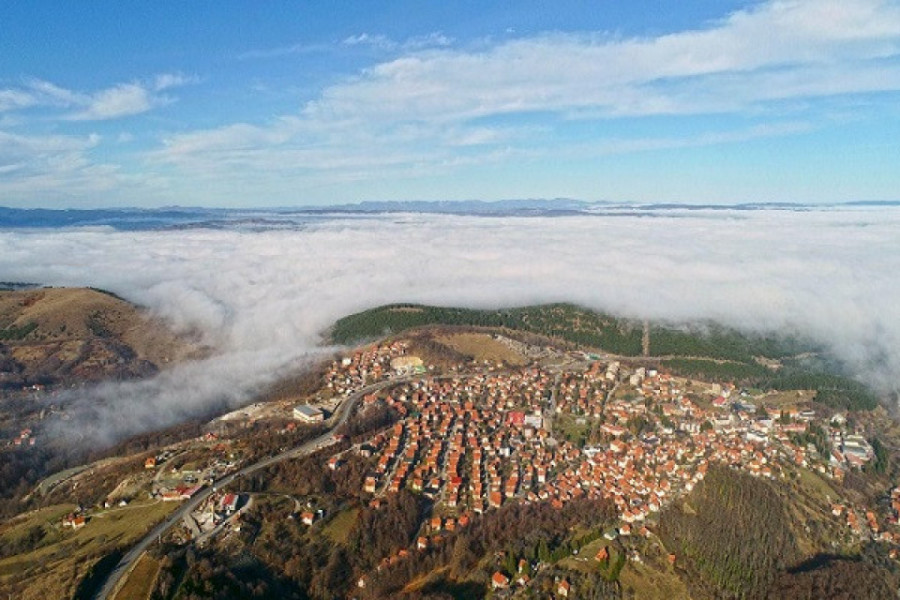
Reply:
x=144, y=219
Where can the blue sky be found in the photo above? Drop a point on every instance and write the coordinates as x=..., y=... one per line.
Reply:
x=308, y=103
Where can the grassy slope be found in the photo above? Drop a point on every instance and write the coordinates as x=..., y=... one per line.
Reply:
x=141, y=580
x=53, y=570
x=62, y=335
x=339, y=527
x=71, y=314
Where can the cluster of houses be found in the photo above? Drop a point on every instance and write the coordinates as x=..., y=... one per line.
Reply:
x=74, y=520
x=474, y=442
x=465, y=447
x=864, y=523
x=25, y=438
x=849, y=449
x=213, y=512
x=179, y=492
x=366, y=366
x=584, y=393
x=500, y=581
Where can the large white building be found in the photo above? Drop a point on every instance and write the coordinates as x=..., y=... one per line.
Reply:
x=307, y=413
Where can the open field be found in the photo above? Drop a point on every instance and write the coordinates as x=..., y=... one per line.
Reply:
x=584, y=560
x=575, y=429
x=139, y=584
x=338, y=528
x=48, y=517
x=652, y=584
x=779, y=398
x=54, y=569
x=482, y=346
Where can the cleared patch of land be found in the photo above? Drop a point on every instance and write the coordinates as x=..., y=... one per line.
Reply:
x=652, y=584
x=482, y=346
x=339, y=527
x=141, y=580
x=779, y=398
x=48, y=517
x=584, y=561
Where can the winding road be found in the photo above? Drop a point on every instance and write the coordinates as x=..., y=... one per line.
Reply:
x=340, y=416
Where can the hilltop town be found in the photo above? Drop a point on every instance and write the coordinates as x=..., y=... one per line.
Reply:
x=459, y=442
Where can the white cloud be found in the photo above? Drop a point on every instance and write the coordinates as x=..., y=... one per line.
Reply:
x=376, y=41
x=435, y=39
x=817, y=43
x=433, y=100
x=120, y=100
x=128, y=99
x=280, y=51
x=37, y=92
x=615, y=146
x=368, y=39
x=48, y=164
x=432, y=40
x=54, y=95
x=264, y=298
x=14, y=99
x=166, y=81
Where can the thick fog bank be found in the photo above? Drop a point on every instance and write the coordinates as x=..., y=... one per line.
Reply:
x=263, y=299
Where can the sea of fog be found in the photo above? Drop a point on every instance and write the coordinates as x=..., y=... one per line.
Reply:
x=263, y=286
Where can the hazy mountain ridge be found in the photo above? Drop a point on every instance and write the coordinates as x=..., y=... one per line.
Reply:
x=177, y=217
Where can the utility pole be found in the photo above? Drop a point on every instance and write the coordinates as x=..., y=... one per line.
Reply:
x=645, y=339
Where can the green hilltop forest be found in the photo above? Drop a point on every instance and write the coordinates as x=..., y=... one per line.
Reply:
x=703, y=350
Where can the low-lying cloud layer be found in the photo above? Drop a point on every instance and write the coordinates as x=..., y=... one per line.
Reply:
x=264, y=299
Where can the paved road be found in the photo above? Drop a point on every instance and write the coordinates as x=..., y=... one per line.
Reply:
x=336, y=420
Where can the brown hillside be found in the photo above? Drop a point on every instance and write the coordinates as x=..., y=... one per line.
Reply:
x=66, y=335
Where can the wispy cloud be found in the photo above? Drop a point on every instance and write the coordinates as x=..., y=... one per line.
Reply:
x=14, y=99
x=36, y=92
x=120, y=100
x=46, y=168
x=435, y=39
x=375, y=41
x=165, y=81
x=433, y=97
x=288, y=50
x=622, y=145
x=368, y=39
x=52, y=166
x=724, y=67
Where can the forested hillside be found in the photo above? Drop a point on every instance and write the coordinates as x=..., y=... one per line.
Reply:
x=737, y=536
x=700, y=350
x=732, y=535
